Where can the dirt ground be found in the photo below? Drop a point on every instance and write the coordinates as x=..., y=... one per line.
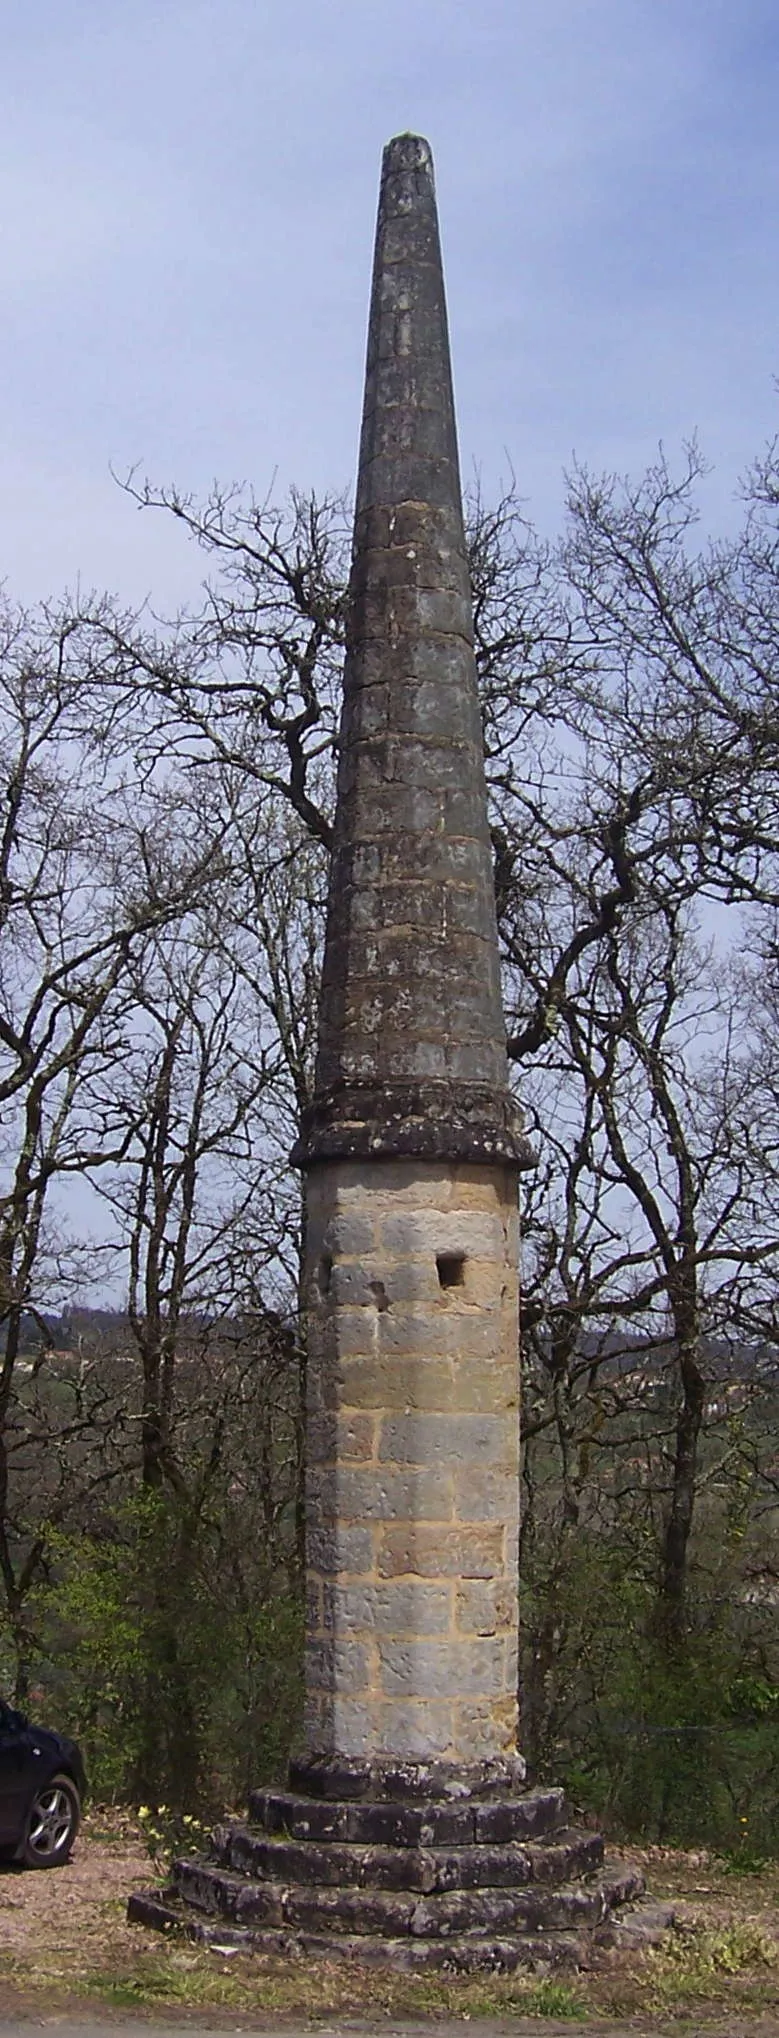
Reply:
x=57, y=1925
x=65, y=1946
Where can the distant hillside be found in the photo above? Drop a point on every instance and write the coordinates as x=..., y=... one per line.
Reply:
x=63, y=1332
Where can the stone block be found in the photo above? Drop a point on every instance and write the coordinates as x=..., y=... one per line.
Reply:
x=340, y=1436
x=348, y=1910
x=411, y=1281
x=348, y=1333
x=488, y=1493
x=470, y=1062
x=455, y=1380
x=483, y=1727
x=314, y=1605
x=420, y=1728
x=485, y=1606
x=405, y=1058
x=338, y=1663
x=303, y=1818
x=350, y=1493
x=334, y=1548
x=474, y=1334
x=422, y=1668
x=356, y=1283
x=350, y=1234
x=488, y=1389
x=484, y=1286
x=446, y=1552
x=466, y=908
x=430, y=1231
x=411, y=1608
x=396, y=1383
x=572, y=1853
x=464, y=1442
x=352, y=1726
x=484, y=1868
x=521, y=1819
x=397, y=1868
x=417, y=1332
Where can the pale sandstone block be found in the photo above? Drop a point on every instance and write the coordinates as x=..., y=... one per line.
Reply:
x=340, y=1437
x=484, y=1389
x=419, y=1334
x=422, y=1181
x=411, y=1281
x=397, y=1383
x=413, y=1332
x=332, y=1547
x=350, y=1234
x=411, y=1608
x=483, y=1494
x=347, y=1493
x=336, y=1663
x=475, y=1336
x=420, y=1732
x=485, y=1606
x=484, y=1285
x=440, y=1552
x=423, y=1667
x=465, y=1442
x=431, y=1232
x=352, y=1727
x=459, y=1382
x=483, y=1730
x=348, y=1333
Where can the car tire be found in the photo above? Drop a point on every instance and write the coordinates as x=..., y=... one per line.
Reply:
x=52, y=1824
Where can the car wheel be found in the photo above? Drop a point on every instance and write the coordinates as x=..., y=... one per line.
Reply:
x=52, y=1824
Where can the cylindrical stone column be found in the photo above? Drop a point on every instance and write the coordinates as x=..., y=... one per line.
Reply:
x=411, y=1288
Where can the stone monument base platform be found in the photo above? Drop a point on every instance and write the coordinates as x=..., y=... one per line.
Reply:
x=412, y=1865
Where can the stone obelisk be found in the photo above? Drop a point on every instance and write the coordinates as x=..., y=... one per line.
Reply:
x=405, y=1833
x=412, y=1143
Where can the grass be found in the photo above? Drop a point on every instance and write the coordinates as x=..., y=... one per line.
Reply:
x=256, y=1989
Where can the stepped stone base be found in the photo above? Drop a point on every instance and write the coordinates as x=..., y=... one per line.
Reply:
x=425, y=1868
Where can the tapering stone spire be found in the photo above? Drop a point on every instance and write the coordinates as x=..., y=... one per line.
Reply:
x=412, y=1056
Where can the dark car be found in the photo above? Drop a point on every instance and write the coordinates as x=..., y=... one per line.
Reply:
x=41, y=1788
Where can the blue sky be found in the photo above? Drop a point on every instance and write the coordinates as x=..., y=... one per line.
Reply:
x=187, y=198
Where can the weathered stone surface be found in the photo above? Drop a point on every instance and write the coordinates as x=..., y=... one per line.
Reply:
x=412, y=1485
x=469, y=1906
x=411, y=985
x=443, y=1816
x=370, y=1897
x=389, y=1864
x=456, y=1953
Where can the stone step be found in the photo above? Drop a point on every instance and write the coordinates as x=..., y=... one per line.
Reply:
x=343, y=1864
x=303, y=1907
x=530, y=1814
x=338, y=1776
x=459, y=1953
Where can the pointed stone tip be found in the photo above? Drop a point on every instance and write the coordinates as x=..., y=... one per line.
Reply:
x=407, y=152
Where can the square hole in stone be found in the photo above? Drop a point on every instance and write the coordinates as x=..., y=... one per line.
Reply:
x=325, y=1273
x=451, y=1269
